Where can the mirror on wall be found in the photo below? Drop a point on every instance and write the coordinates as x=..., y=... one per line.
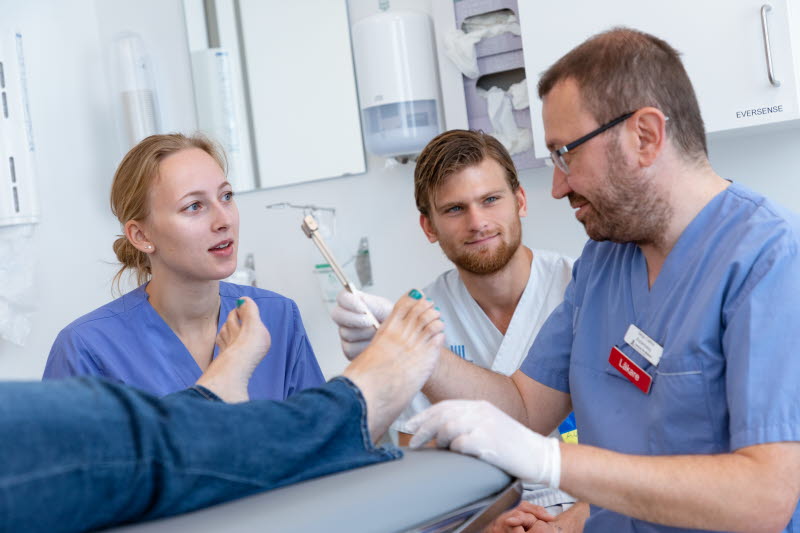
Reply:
x=275, y=84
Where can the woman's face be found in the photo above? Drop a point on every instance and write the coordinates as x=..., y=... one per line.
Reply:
x=193, y=222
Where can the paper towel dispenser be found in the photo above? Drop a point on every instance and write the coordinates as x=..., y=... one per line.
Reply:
x=18, y=199
x=395, y=59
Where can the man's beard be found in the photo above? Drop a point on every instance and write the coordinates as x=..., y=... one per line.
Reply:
x=626, y=208
x=486, y=260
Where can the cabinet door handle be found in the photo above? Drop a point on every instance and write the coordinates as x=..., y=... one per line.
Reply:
x=767, y=49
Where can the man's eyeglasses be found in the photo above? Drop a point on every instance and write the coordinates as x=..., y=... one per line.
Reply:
x=557, y=156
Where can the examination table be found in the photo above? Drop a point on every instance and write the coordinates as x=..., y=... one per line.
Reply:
x=426, y=491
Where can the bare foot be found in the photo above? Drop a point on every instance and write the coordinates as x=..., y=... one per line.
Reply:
x=243, y=342
x=398, y=361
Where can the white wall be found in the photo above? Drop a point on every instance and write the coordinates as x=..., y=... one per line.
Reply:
x=78, y=151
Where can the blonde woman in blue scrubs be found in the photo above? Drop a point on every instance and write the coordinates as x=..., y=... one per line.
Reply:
x=181, y=231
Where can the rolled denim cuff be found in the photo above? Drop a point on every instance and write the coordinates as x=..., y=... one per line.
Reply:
x=388, y=450
x=206, y=393
x=352, y=386
x=197, y=392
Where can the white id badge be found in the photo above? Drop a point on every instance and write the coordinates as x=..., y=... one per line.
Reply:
x=647, y=347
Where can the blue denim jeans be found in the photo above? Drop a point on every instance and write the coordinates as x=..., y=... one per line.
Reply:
x=84, y=453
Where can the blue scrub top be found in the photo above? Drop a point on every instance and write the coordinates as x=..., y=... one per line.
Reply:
x=127, y=341
x=725, y=307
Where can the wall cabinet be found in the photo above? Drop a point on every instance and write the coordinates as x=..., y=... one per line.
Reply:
x=722, y=43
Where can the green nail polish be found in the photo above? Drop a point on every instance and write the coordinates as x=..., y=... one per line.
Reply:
x=437, y=308
x=414, y=293
x=240, y=302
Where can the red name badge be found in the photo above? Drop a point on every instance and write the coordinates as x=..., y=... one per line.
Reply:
x=630, y=370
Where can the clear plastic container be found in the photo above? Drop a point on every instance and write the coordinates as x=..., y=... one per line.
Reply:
x=328, y=283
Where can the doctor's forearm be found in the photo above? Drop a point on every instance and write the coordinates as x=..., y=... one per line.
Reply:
x=455, y=378
x=753, y=489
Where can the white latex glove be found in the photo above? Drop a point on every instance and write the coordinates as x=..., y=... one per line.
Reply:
x=349, y=314
x=482, y=430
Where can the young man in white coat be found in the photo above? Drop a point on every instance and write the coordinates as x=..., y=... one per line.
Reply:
x=500, y=292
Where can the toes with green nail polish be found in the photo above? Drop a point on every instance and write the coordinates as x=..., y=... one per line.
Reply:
x=414, y=293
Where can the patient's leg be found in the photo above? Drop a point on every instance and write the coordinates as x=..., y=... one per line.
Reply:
x=398, y=361
x=84, y=453
x=81, y=454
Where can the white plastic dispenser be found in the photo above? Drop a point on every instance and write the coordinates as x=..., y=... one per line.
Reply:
x=18, y=197
x=136, y=89
x=395, y=58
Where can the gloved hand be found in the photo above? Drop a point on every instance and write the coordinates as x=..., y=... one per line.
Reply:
x=482, y=430
x=355, y=329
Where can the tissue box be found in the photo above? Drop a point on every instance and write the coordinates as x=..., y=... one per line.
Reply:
x=498, y=57
x=498, y=44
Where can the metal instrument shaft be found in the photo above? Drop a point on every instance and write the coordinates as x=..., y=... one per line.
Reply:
x=311, y=229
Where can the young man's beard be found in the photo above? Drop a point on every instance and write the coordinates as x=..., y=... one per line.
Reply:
x=487, y=261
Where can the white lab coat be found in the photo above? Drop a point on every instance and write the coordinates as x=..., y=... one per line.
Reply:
x=471, y=335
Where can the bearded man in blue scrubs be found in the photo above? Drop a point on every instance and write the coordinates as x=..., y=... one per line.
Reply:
x=674, y=341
